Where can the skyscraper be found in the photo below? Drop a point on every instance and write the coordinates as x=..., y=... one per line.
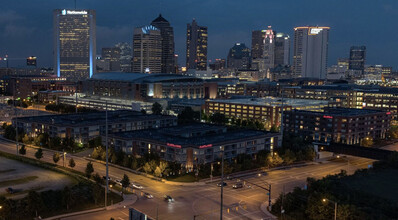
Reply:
x=357, y=58
x=258, y=37
x=311, y=51
x=196, y=46
x=167, y=33
x=125, y=56
x=147, y=50
x=239, y=57
x=269, y=48
x=74, y=43
x=282, y=49
x=112, y=55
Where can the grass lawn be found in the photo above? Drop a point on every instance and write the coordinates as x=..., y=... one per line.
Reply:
x=17, y=181
x=188, y=178
x=382, y=183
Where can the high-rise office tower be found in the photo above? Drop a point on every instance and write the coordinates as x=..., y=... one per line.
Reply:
x=147, y=50
x=74, y=43
x=258, y=37
x=239, y=57
x=311, y=51
x=125, y=56
x=282, y=49
x=112, y=56
x=167, y=33
x=269, y=48
x=357, y=58
x=196, y=46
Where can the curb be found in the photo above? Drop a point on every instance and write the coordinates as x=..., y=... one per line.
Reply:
x=264, y=209
x=75, y=214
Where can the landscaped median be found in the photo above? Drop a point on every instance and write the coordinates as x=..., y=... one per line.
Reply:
x=84, y=194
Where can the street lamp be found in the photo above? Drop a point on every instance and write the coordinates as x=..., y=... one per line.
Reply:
x=335, y=206
x=64, y=157
x=222, y=179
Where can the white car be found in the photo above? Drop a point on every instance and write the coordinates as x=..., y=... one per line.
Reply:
x=136, y=186
x=148, y=196
x=118, y=182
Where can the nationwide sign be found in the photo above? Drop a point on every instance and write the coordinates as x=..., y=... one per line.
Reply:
x=174, y=145
x=205, y=146
x=73, y=12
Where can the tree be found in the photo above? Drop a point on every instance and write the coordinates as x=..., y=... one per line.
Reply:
x=289, y=157
x=147, y=168
x=89, y=169
x=158, y=172
x=34, y=203
x=143, y=111
x=274, y=129
x=67, y=197
x=72, y=163
x=97, y=193
x=22, y=150
x=39, y=154
x=153, y=165
x=218, y=118
x=157, y=109
x=188, y=115
x=274, y=160
x=54, y=143
x=163, y=166
x=56, y=157
x=98, y=179
x=9, y=132
x=367, y=141
x=125, y=181
x=26, y=139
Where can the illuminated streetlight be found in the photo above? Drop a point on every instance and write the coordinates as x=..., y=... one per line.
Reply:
x=335, y=206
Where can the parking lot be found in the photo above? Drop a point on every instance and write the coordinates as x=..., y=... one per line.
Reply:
x=21, y=178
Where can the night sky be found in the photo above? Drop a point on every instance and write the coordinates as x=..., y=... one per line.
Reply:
x=26, y=26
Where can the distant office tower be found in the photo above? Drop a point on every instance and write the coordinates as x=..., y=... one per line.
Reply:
x=239, y=57
x=269, y=49
x=167, y=33
x=147, y=50
x=111, y=55
x=74, y=43
x=218, y=64
x=125, y=56
x=282, y=49
x=357, y=58
x=311, y=51
x=258, y=38
x=196, y=46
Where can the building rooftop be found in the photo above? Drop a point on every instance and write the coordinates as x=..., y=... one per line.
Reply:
x=343, y=111
x=364, y=88
x=142, y=77
x=91, y=118
x=273, y=101
x=210, y=135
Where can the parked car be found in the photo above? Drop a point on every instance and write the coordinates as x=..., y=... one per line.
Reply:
x=136, y=186
x=230, y=177
x=10, y=190
x=221, y=183
x=148, y=196
x=104, y=177
x=237, y=185
x=168, y=198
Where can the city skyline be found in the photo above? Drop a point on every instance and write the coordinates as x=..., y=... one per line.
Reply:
x=111, y=29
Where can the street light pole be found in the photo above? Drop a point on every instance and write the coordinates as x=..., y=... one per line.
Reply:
x=106, y=148
x=222, y=179
x=335, y=207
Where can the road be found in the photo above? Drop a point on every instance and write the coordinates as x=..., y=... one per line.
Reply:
x=203, y=200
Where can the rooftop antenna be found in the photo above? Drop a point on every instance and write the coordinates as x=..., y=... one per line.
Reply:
x=75, y=4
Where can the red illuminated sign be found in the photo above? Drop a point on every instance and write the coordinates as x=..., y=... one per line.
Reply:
x=388, y=113
x=327, y=116
x=205, y=146
x=174, y=145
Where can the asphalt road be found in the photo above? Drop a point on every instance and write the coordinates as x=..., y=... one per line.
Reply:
x=203, y=201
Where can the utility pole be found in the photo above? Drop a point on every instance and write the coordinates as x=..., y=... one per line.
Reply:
x=281, y=127
x=76, y=101
x=222, y=179
x=106, y=148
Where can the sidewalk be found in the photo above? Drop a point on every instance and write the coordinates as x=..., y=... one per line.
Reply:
x=264, y=209
x=128, y=200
